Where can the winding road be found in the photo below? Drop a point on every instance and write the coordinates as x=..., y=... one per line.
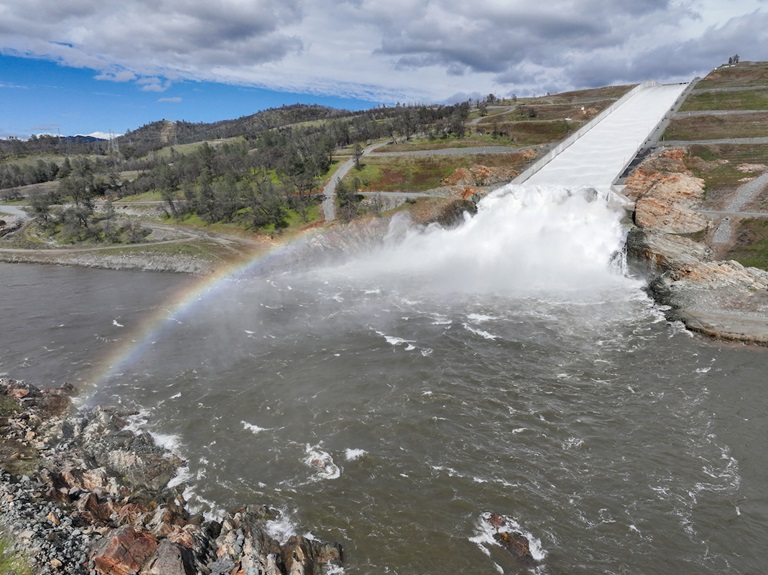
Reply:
x=744, y=194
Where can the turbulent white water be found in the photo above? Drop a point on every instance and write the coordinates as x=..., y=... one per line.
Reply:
x=524, y=240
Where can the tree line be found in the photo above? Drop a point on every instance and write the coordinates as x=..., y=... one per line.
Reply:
x=271, y=166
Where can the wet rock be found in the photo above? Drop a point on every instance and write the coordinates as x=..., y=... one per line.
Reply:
x=245, y=544
x=510, y=539
x=302, y=556
x=517, y=544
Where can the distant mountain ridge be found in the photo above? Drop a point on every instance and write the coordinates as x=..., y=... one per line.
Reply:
x=165, y=132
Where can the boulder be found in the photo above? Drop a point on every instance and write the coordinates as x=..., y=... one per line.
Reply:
x=170, y=559
x=510, y=538
x=125, y=551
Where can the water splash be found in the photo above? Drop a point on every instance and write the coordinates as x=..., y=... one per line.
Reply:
x=524, y=240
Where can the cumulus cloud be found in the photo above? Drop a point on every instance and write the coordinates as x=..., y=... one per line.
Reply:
x=174, y=100
x=116, y=76
x=403, y=50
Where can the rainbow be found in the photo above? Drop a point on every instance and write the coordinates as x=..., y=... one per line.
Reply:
x=180, y=305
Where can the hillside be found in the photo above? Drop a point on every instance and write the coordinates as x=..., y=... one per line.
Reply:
x=724, y=126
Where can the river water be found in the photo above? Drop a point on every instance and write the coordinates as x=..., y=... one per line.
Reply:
x=389, y=400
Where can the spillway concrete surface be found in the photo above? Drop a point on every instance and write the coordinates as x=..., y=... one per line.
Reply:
x=596, y=158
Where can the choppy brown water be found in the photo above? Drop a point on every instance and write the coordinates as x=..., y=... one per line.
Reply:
x=618, y=442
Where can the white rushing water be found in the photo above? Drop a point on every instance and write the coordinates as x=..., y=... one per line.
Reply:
x=523, y=240
x=598, y=157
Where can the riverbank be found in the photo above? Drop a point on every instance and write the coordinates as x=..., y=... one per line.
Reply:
x=82, y=492
x=672, y=245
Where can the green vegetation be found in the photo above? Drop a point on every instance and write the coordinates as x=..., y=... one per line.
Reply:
x=722, y=100
x=13, y=562
x=751, y=244
x=8, y=406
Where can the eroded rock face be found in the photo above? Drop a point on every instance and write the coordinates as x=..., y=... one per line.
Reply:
x=666, y=195
x=719, y=298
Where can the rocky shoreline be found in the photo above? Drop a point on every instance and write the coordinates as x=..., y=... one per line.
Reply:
x=667, y=245
x=81, y=494
x=183, y=264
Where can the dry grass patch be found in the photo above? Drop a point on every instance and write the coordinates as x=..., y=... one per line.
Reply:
x=722, y=166
x=713, y=127
x=580, y=96
x=721, y=100
x=743, y=74
x=751, y=248
x=418, y=174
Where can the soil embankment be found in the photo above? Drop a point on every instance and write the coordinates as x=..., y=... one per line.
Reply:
x=671, y=246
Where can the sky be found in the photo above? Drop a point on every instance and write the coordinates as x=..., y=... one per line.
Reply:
x=100, y=66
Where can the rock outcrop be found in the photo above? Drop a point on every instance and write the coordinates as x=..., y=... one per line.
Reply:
x=718, y=298
x=510, y=538
x=81, y=494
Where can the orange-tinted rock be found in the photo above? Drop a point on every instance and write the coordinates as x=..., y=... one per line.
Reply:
x=124, y=552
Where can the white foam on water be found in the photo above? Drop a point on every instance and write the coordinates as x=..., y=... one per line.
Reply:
x=137, y=422
x=395, y=341
x=352, y=454
x=322, y=462
x=199, y=504
x=480, y=317
x=182, y=476
x=252, y=427
x=573, y=443
x=282, y=528
x=168, y=441
x=480, y=332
